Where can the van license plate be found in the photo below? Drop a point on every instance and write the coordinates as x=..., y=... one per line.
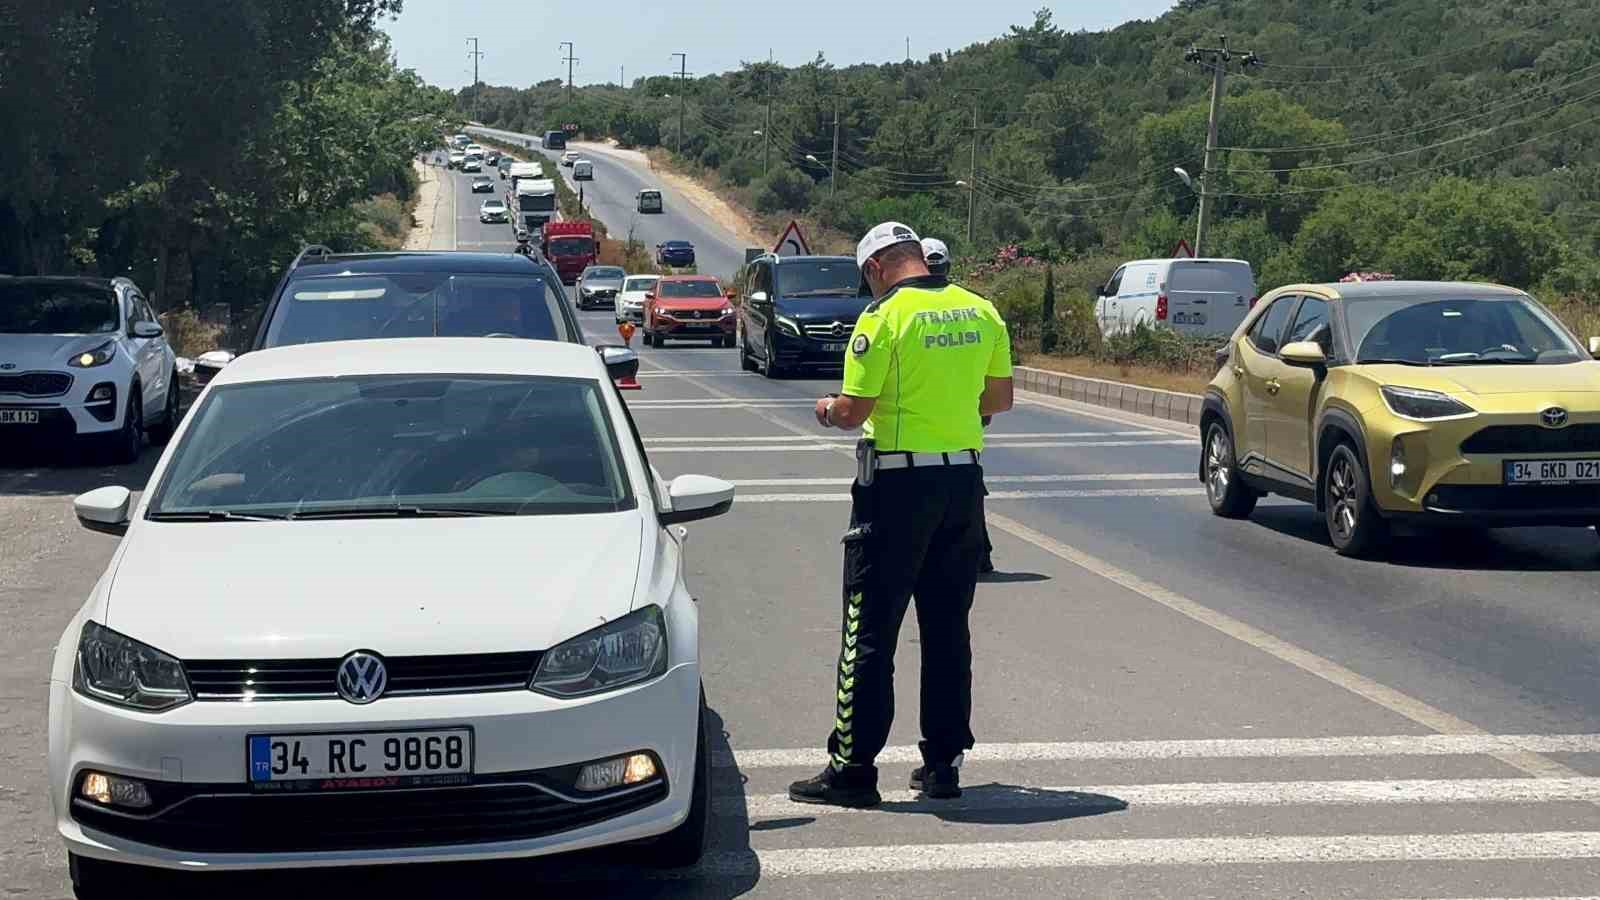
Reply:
x=19, y=417
x=1552, y=471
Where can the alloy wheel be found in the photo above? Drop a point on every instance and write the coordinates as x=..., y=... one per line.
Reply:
x=1219, y=461
x=1342, y=498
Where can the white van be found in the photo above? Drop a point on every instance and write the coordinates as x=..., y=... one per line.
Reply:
x=583, y=170
x=649, y=200
x=1192, y=296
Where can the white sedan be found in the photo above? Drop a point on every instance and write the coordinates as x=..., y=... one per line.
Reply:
x=630, y=302
x=387, y=601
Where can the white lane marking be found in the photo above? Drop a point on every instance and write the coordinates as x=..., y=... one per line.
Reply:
x=729, y=403
x=1204, y=748
x=1211, y=851
x=988, y=438
x=987, y=479
x=813, y=446
x=1204, y=794
x=842, y=497
x=1387, y=697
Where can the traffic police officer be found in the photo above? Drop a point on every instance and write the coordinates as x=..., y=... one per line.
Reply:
x=937, y=256
x=926, y=360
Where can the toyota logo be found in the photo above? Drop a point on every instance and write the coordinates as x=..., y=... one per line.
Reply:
x=1554, y=417
x=362, y=677
x=838, y=329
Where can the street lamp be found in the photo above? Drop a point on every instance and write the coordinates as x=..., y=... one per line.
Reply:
x=1198, y=186
x=757, y=132
x=1188, y=180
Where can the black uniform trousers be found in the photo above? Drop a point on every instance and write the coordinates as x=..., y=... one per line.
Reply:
x=914, y=533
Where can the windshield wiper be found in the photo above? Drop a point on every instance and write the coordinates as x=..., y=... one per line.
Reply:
x=396, y=512
x=817, y=292
x=1477, y=360
x=212, y=515
x=1378, y=361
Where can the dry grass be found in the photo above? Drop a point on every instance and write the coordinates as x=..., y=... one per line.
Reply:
x=1143, y=376
x=190, y=335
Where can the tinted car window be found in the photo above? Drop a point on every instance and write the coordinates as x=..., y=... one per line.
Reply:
x=1227, y=278
x=422, y=304
x=689, y=289
x=606, y=272
x=1311, y=323
x=1115, y=284
x=816, y=277
x=57, y=309
x=505, y=444
x=571, y=246
x=639, y=284
x=1484, y=330
x=1264, y=334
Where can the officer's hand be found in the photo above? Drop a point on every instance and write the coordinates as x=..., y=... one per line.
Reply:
x=822, y=411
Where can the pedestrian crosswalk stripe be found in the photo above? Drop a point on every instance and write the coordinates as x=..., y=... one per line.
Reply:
x=1206, y=748
x=1100, y=853
x=1209, y=795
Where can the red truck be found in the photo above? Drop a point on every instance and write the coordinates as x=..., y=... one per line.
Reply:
x=570, y=247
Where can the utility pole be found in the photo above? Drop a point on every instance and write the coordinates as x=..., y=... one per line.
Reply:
x=766, y=130
x=569, y=60
x=972, y=177
x=475, y=57
x=622, y=77
x=833, y=163
x=1216, y=59
x=683, y=80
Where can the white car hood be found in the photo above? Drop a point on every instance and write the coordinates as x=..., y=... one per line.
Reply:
x=276, y=590
x=46, y=351
x=632, y=297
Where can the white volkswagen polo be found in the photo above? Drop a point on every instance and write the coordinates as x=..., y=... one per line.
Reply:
x=387, y=601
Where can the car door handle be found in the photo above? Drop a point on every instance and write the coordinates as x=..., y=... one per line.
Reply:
x=1273, y=386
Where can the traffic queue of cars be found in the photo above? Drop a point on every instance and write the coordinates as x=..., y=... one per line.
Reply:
x=404, y=426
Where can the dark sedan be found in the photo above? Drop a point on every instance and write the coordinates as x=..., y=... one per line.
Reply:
x=677, y=254
x=483, y=184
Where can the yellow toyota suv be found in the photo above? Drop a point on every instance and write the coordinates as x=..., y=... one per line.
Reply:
x=1428, y=402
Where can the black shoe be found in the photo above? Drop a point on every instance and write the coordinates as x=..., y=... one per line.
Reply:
x=831, y=788
x=985, y=566
x=937, y=782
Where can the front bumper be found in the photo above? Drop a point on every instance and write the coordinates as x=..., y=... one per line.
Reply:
x=805, y=351
x=1447, y=480
x=710, y=328
x=67, y=415
x=197, y=756
x=600, y=298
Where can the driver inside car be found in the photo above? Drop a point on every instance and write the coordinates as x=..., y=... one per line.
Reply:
x=483, y=311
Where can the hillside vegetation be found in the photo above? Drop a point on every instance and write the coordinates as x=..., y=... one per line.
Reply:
x=1428, y=138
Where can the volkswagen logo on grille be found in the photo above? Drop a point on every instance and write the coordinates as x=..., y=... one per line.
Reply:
x=1554, y=417
x=838, y=329
x=362, y=677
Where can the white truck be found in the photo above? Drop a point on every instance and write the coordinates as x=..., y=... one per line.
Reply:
x=524, y=170
x=536, y=202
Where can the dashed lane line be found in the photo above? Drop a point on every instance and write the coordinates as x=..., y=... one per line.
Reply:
x=1200, y=748
x=1087, y=494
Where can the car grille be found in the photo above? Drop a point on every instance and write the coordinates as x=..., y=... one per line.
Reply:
x=826, y=331
x=313, y=679
x=224, y=819
x=695, y=314
x=1534, y=439
x=1511, y=497
x=36, y=384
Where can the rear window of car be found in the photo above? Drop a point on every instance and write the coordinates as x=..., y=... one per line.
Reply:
x=1226, y=278
x=320, y=308
x=57, y=309
x=690, y=289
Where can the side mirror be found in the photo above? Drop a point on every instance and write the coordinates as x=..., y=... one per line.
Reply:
x=758, y=297
x=147, y=330
x=1594, y=347
x=620, y=361
x=696, y=497
x=1306, y=354
x=106, y=509
x=208, y=364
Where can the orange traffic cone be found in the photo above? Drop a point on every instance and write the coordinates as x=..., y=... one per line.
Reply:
x=625, y=329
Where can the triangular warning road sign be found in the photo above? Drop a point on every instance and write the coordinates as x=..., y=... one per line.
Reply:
x=1182, y=250
x=792, y=242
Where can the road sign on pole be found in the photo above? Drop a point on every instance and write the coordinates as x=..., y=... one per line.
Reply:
x=1182, y=251
x=792, y=242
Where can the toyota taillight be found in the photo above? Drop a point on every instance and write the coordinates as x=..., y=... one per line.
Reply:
x=1161, y=308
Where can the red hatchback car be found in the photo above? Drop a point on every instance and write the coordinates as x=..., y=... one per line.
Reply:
x=688, y=306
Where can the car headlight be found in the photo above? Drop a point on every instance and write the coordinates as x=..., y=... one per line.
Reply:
x=586, y=289
x=1414, y=403
x=787, y=325
x=626, y=651
x=117, y=669
x=99, y=356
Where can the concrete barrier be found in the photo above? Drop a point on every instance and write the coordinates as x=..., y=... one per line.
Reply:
x=1170, y=405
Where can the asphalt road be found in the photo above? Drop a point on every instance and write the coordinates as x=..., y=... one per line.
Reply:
x=1167, y=704
x=611, y=197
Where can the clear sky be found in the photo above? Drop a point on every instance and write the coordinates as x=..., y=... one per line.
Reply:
x=520, y=40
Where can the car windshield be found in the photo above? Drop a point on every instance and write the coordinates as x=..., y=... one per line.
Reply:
x=57, y=309
x=638, y=284
x=607, y=273
x=690, y=289
x=678, y=245
x=383, y=445
x=571, y=246
x=1475, y=331
x=493, y=204
x=414, y=304
x=818, y=277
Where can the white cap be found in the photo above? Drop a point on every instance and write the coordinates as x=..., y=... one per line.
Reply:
x=882, y=238
x=934, y=250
